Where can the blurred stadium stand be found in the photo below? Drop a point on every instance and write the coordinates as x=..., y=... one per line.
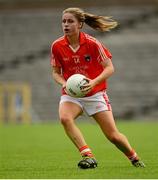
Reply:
x=36, y=4
x=27, y=29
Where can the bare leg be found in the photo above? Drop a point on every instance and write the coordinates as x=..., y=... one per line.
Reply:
x=68, y=111
x=106, y=122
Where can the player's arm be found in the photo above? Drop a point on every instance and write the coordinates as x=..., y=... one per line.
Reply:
x=106, y=73
x=57, y=76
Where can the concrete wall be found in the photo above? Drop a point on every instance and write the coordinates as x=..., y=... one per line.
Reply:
x=25, y=4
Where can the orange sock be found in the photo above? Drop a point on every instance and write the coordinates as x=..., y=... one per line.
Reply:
x=86, y=151
x=132, y=155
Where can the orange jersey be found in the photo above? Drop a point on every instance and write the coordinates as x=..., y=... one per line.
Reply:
x=85, y=60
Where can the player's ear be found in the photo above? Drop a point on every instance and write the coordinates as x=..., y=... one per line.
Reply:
x=80, y=25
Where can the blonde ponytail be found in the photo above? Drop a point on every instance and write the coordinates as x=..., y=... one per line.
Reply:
x=100, y=23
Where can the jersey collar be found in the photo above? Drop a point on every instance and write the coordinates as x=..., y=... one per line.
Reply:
x=81, y=37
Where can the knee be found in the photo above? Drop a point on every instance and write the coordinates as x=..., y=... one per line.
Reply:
x=65, y=120
x=114, y=137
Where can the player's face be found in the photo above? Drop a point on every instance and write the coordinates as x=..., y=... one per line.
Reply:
x=71, y=26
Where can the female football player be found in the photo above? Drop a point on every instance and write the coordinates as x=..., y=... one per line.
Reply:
x=78, y=52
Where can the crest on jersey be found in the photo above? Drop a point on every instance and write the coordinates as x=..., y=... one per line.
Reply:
x=87, y=57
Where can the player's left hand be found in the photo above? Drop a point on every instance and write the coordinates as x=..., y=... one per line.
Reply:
x=87, y=87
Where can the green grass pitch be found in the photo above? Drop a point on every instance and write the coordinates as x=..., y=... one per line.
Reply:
x=43, y=151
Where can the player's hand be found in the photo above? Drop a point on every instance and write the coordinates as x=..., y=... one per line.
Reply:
x=87, y=87
x=64, y=87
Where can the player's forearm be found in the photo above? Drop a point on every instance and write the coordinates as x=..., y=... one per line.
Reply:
x=59, y=78
x=108, y=71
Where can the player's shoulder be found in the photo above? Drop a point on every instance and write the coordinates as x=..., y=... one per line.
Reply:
x=90, y=38
x=58, y=42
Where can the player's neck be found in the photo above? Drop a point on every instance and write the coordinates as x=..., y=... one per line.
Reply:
x=74, y=41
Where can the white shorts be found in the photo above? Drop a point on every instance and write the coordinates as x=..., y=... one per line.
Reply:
x=92, y=104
